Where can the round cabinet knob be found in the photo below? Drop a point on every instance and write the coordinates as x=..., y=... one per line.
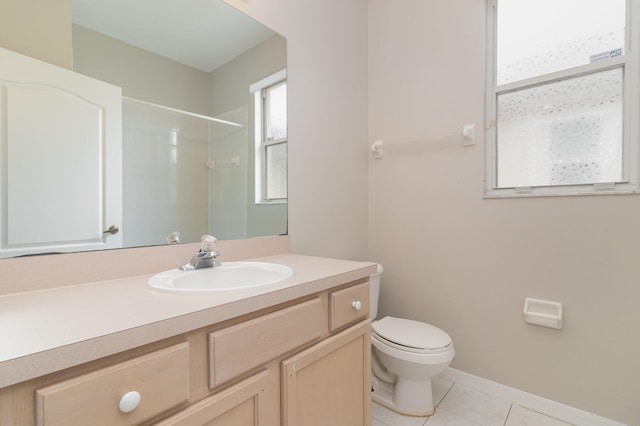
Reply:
x=129, y=401
x=356, y=305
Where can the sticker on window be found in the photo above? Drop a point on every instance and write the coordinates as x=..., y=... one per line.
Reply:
x=605, y=55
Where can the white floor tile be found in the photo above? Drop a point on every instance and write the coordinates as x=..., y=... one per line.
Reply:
x=375, y=422
x=439, y=387
x=520, y=416
x=391, y=418
x=445, y=418
x=476, y=406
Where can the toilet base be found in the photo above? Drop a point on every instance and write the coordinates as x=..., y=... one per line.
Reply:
x=408, y=397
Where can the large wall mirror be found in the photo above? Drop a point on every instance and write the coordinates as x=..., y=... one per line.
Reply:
x=203, y=117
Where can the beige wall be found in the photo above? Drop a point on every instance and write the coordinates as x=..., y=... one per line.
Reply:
x=37, y=28
x=465, y=263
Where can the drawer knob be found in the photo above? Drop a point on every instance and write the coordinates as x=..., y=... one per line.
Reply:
x=129, y=401
x=356, y=305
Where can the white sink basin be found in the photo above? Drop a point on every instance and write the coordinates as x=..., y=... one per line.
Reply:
x=226, y=277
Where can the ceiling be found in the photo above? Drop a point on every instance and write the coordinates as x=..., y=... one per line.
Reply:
x=203, y=34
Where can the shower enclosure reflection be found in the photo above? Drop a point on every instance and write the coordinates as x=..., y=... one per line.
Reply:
x=186, y=173
x=183, y=174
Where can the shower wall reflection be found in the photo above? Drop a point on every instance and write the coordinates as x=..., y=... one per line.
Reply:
x=229, y=156
x=184, y=174
x=165, y=175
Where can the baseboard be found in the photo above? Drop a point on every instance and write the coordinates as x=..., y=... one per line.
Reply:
x=536, y=403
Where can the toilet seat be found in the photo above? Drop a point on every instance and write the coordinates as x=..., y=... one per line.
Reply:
x=411, y=336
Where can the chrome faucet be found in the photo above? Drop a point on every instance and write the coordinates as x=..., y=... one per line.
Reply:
x=205, y=257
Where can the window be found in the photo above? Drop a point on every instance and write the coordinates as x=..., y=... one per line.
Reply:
x=562, y=97
x=270, y=96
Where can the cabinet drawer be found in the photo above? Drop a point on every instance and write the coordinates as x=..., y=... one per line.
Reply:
x=348, y=305
x=161, y=378
x=238, y=349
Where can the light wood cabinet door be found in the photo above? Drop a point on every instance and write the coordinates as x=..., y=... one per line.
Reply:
x=330, y=383
x=240, y=405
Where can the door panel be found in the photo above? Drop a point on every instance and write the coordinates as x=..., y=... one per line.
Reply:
x=60, y=159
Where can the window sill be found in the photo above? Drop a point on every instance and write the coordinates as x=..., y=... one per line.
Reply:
x=263, y=203
x=581, y=190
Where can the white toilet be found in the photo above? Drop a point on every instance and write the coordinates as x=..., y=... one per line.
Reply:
x=405, y=355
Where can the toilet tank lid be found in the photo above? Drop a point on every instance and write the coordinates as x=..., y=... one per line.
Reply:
x=412, y=334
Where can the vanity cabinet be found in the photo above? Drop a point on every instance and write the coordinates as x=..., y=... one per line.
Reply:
x=303, y=362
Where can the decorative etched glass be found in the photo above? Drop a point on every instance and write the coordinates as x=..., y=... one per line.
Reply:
x=543, y=36
x=562, y=133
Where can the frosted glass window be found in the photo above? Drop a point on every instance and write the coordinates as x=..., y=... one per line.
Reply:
x=563, y=133
x=276, y=171
x=276, y=112
x=543, y=36
x=560, y=95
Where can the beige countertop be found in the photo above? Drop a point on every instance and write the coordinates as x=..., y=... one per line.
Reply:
x=49, y=330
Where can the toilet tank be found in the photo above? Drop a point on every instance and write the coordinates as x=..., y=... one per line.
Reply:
x=374, y=288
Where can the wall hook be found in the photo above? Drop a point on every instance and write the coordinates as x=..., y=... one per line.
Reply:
x=376, y=148
x=469, y=134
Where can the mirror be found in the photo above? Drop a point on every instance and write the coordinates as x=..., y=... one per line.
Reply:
x=189, y=157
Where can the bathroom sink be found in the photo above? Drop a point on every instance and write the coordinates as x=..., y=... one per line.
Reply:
x=225, y=277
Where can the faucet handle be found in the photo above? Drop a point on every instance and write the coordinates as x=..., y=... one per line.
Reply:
x=208, y=243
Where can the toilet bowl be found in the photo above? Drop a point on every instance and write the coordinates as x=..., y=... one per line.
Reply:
x=405, y=355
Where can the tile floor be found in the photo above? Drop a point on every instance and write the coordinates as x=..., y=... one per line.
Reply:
x=462, y=406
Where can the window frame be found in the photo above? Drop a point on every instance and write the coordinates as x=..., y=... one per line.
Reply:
x=258, y=90
x=629, y=62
